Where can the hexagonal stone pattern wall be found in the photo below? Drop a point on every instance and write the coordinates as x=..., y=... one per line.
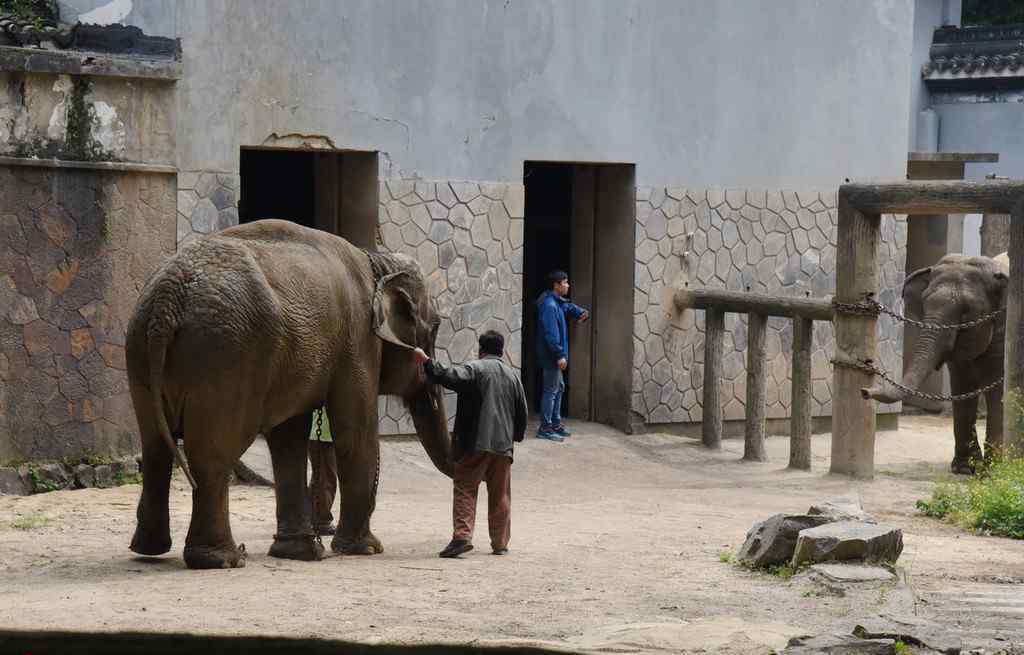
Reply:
x=468, y=238
x=771, y=242
x=207, y=202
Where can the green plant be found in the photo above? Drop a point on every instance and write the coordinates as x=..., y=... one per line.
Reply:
x=31, y=522
x=900, y=648
x=39, y=483
x=127, y=478
x=990, y=503
x=726, y=556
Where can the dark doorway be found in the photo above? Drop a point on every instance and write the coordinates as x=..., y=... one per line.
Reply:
x=277, y=184
x=335, y=191
x=580, y=218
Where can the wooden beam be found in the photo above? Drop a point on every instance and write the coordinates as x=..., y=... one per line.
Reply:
x=711, y=423
x=800, y=415
x=818, y=309
x=757, y=385
x=853, y=417
x=1013, y=386
x=989, y=197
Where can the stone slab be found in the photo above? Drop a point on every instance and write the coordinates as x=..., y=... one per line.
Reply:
x=910, y=630
x=848, y=540
x=839, y=645
x=773, y=540
x=854, y=573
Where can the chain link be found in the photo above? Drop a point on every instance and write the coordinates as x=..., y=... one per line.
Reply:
x=316, y=514
x=871, y=307
x=871, y=369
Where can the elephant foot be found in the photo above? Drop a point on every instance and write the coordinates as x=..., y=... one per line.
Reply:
x=211, y=557
x=150, y=543
x=366, y=544
x=302, y=547
x=962, y=466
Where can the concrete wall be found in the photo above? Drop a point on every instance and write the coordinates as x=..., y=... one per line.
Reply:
x=734, y=93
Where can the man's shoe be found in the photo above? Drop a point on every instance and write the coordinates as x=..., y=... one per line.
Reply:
x=456, y=548
x=500, y=551
x=550, y=436
x=561, y=431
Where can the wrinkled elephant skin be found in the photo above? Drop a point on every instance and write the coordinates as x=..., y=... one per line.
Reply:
x=249, y=330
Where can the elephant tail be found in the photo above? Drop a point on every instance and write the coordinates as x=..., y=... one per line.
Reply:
x=158, y=337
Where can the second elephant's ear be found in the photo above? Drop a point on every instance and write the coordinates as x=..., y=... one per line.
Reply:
x=394, y=314
x=913, y=289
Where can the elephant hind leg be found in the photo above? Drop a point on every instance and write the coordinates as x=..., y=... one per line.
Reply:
x=214, y=441
x=152, y=531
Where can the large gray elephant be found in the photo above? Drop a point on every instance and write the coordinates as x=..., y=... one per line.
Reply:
x=958, y=290
x=249, y=330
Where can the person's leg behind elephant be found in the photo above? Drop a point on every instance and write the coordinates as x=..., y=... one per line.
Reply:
x=323, y=484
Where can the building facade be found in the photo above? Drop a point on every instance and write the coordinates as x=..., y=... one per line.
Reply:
x=640, y=145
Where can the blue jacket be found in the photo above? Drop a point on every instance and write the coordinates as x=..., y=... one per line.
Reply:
x=552, y=330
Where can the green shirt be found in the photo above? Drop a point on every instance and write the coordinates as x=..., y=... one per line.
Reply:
x=325, y=429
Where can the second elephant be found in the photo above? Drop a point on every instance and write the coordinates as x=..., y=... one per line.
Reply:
x=959, y=290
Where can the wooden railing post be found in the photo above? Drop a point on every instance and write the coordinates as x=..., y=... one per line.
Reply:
x=853, y=417
x=757, y=382
x=714, y=330
x=1013, y=385
x=800, y=420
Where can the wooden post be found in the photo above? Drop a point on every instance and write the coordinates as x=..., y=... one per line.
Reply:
x=757, y=383
x=853, y=417
x=1013, y=385
x=800, y=421
x=714, y=331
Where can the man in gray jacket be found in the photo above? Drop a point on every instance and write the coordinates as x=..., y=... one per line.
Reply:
x=491, y=416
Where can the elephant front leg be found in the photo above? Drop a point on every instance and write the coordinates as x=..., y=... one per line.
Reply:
x=294, y=538
x=967, y=452
x=994, y=441
x=358, y=455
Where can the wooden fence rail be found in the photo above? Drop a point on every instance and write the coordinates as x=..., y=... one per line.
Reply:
x=803, y=312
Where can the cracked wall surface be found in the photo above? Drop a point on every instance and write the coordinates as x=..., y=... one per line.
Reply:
x=468, y=239
x=75, y=249
x=207, y=202
x=771, y=242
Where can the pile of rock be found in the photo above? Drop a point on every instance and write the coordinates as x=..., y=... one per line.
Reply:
x=837, y=530
x=38, y=478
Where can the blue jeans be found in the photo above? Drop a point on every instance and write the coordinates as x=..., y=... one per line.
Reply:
x=553, y=385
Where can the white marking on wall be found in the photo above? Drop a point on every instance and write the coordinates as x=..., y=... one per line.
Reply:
x=112, y=12
x=107, y=128
x=58, y=127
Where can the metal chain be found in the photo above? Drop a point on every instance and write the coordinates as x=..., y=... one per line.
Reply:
x=871, y=369
x=315, y=509
x=871, y=307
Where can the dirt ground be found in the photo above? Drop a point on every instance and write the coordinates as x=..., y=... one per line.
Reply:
x=616, y=545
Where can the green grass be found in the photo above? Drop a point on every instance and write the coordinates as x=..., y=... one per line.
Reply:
x=991, y=503
x=900, y=648
x=725, y=557
x=31, y=522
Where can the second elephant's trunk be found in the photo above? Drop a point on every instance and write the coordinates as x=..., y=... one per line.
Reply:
x=930, y=353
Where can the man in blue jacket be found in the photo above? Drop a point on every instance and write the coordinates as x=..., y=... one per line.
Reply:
x=553, y=308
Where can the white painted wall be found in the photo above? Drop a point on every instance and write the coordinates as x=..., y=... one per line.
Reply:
x=726, y=93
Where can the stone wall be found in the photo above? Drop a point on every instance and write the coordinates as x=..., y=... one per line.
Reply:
x=468, y=238
x=774, y=242
x=75, y=248
x=207, y=202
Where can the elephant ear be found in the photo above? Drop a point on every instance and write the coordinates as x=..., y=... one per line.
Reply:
x=394, y=312
x=913, y=289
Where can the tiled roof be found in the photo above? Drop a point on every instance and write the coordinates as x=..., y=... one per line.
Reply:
x=976, y=53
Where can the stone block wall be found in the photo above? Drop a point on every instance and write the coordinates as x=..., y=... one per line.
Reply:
x=468, y=238
x=75, y=249
x=207, y=202
x=771, y=242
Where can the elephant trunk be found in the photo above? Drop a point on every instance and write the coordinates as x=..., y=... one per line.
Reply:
x=930, y=353
x=428, y=415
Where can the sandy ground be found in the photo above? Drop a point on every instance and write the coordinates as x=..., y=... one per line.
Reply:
x=616, y=544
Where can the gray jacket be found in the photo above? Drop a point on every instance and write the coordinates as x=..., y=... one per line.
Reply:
x=491, y=412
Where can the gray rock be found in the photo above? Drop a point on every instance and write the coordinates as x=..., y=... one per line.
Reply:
x=842, y=508
x=14, y=481
x=255, y=466
x=838, y=645
x=910, y=630
x=50, y=477
x=104, y=476
x=773, y=540
x=85, y=476
x=853, y=573
x=848, y=540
